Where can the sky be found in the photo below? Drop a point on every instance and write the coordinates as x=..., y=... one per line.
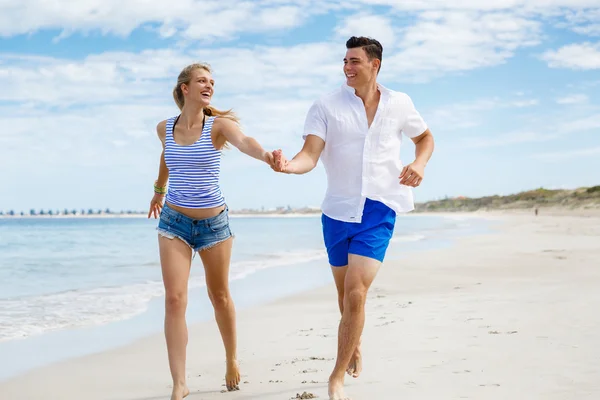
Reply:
x=509, y=89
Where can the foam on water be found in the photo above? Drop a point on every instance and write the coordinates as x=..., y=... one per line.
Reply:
x=36, y=315
x=24, y=317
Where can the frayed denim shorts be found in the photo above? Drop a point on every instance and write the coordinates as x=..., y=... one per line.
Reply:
x=199, y=234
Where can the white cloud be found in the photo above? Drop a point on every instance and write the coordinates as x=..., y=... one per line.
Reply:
x=244, y=17
x=507, y=139
x=585, y=22
x=567, y=155
x=466, y=115
x=130, y=77
x=491, y=5
x=574, y=56
x=550, y=128
x=366, y=24
x=573, y=99
x=524, y=103
x=226, y=19
x=579, y=125
x=442, y=42
x=196, y=19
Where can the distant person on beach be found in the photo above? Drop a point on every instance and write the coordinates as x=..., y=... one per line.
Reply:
x=356, y=131
x=194, y=217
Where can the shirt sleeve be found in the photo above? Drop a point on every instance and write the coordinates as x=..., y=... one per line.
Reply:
x=316, y=122
x=414, y=124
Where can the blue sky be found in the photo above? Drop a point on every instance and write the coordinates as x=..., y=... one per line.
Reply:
x=510, y=90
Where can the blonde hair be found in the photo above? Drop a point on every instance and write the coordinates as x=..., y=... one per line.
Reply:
x=184, y=78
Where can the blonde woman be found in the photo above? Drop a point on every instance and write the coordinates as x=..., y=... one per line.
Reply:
x=194, y=217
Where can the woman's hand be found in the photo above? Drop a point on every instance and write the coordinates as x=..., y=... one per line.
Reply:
x=156, y=205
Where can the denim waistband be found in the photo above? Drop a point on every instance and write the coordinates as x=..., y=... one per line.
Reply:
x=179, y=217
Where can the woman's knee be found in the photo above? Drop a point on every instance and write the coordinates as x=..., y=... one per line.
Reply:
x=220, y=299
x=176, y=302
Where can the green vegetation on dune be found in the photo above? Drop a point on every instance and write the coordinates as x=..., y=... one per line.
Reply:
x=577, y=198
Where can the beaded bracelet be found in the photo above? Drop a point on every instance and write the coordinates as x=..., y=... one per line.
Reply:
x=159, y=189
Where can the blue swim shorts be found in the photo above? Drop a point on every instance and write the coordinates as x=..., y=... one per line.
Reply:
x=369, y=238
x=199, y=234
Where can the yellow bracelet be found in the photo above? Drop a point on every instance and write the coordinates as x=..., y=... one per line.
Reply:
x=159, y=189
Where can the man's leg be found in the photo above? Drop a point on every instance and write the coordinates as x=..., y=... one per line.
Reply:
x=361, y=272
x=355, y=365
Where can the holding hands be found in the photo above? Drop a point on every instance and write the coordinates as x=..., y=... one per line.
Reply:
x=280, y=163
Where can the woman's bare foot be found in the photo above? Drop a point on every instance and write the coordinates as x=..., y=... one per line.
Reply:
x=336, y=389
x=232, y=376
x=355, y=364
x=179, y=392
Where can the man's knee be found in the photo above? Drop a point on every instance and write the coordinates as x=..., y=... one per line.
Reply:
x=355, y=299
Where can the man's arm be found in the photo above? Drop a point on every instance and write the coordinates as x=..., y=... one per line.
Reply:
x=413, y=173
x=305, y=161
x=424, y=145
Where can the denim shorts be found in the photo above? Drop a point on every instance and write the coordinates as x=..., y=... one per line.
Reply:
x=369, y=238
x=199, y=234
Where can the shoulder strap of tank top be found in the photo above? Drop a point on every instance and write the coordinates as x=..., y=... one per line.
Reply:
x=169, y=131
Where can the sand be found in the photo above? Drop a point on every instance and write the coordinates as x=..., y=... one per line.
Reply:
x=514, y=314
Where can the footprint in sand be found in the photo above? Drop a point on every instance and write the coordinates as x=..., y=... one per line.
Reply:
x=304, y=395
x=309, y=371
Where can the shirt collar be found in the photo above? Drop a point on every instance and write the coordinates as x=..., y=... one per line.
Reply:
x=385, y=92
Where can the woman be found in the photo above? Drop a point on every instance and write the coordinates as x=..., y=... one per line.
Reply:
x=195, y=217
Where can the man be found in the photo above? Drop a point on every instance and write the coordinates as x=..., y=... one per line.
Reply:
x=356, y=132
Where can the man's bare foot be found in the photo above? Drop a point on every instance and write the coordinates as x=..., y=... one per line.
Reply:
x=355, y=364
x=336, y=389
x=179, y=392
x=232, y=376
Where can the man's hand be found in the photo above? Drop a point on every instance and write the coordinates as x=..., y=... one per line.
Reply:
x=280, y=162
x=412, y=174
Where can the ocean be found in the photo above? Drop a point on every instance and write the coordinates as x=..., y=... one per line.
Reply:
x=95, y=283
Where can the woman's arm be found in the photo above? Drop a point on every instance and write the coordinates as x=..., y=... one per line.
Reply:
x=246, y=144
x=163, y=171
x=160, y=184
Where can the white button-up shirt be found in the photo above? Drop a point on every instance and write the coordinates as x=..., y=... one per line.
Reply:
x=363, y=162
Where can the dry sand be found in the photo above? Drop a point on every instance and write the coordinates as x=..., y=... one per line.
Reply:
x=510, y=315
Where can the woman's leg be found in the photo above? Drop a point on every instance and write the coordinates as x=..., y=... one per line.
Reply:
x=176, y=259
x=216, y=264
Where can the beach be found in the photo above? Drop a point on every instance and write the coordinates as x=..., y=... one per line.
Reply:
x=508, y=314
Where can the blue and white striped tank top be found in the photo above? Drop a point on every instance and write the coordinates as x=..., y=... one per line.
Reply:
x=193, y=170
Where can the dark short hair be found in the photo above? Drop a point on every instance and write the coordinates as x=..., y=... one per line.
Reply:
x=372, y=47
